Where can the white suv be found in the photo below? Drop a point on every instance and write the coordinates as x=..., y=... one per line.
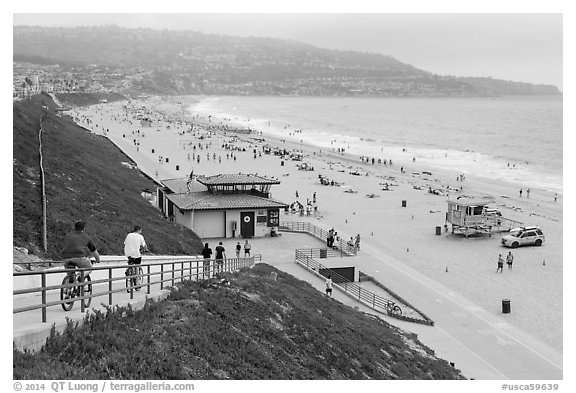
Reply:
x=524, y=236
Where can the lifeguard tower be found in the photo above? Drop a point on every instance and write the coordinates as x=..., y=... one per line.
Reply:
x=473, y=216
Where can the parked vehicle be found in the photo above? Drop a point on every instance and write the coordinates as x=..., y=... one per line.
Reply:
x=524, y=236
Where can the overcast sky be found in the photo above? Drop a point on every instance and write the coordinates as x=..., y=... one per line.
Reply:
x=519, y=47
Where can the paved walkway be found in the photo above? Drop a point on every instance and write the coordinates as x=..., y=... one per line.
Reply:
x=480, y=344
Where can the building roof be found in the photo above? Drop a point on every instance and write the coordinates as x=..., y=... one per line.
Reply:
x=180, y=185
x=470, y=202
x=232, y=179
x=208, y=201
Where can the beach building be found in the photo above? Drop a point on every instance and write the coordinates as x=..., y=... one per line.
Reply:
x=225, y=205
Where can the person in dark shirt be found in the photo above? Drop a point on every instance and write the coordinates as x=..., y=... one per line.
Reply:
x=207, y=254
x=220, y=255
x=77, y=245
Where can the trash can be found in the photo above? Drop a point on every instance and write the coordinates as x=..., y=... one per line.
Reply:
x=282, y=163
x=177, y=167
x=152, y=151
x=438, y=231
x=323, y=253
x=505, y=306
x=403, y=203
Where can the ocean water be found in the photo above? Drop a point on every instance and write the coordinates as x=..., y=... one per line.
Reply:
x=517, y=139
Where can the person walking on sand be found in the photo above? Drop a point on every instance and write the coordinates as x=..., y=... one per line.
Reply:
x=329, y=286
x=247, y=248
x=206, y=253
x=500, y=263
x=520, y=193
x=238, y=248
x=509, y=259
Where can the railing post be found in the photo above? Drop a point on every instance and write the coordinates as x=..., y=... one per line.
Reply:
x=82, y=290
x=373, y=300
x=110, y=286
x=172, y=273
x=182, y=272
x=148, y=281
x=161, y=276
x=132, y=275
x=43, y=277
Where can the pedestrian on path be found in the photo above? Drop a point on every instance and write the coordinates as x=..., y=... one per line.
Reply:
x=247, y=248
x=238, y=248
x=509, y=260
x=329, y=286
x=500, y=263
x=358, y=242
x=330, y=238
x=220, y=256
x=206, y=253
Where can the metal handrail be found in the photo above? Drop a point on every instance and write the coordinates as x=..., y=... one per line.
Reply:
x=319, y=233
x=187, y=269
x=369, y=298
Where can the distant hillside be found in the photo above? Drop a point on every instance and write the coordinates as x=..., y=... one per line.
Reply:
x=86, y=179
x=187, y=62
x=252, y=328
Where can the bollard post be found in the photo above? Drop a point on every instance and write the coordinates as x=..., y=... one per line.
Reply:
x=82, y=307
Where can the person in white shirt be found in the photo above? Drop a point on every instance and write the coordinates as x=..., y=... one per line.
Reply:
x=329, y=286
x=133, y=245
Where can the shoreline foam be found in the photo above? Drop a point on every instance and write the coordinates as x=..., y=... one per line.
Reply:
x=523, y=174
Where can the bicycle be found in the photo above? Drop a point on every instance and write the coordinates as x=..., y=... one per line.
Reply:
x=392, y=308
x=134, y=278
x=76, y=291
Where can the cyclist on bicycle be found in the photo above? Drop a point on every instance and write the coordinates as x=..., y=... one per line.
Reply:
x=133, y=245
x=74, y=253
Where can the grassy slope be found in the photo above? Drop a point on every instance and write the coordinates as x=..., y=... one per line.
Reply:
x=254, y=328
x=84, y=180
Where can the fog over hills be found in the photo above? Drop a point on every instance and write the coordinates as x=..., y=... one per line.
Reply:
x=188, y=62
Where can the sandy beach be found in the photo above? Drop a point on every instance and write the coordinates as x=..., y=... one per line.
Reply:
x=374, y=210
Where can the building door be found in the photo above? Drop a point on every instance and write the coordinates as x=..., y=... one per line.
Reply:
x=247, y=224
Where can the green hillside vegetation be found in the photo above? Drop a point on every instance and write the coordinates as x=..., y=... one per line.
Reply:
x=85, y=180
x=242, y=325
